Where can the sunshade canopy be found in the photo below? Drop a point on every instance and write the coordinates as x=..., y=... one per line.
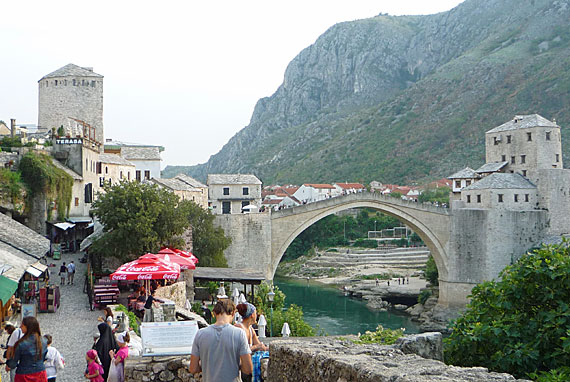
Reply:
x=184, y=262
x=7, y=289
x=147, y=267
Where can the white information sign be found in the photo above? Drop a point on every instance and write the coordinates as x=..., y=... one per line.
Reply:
x=168, y=338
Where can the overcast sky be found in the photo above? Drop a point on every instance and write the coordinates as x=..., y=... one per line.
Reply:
x=182, y=74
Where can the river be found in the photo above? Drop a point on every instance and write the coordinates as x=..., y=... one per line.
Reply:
x=336, y=314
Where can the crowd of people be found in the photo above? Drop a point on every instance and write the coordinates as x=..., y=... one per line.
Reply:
x=31, y=357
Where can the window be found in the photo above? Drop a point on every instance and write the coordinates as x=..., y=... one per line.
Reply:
x=523, y=159
x=101, y=181
x=548, y=135
x=86, y=164
x=478, y=198
x=74, y=82
x=508, y=139
x=526, y=197
x=557, y=158
x=138, y=175
x=245, y=190
x=457, y=184
x=500, y=198
x=65, y=82
x=99, y=165
x=89, y=193
x=496, y=140
x=244, y=204
x=82, y=82
x=76, y=202
x=468, y=198
x=121, y=175
x=529, y=137
x=92, y=84
x=226, y=190
x=467, y=183
x=55, y=82
x=226, y=208
x=106, y=170
x=503, y=158
x=512, y=160
x=516, y=198
x=523, y=172
x=147, y=174
x=129, y=176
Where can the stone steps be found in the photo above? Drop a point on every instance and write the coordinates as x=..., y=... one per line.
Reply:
x=401, y=258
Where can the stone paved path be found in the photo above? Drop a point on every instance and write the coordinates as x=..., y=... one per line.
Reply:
x=73, y=325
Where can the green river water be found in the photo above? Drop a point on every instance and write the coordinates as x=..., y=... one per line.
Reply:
x=336, y=314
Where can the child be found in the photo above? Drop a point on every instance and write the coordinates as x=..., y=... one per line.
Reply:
x=53, y=361
x=119, y=358
x=94, y=369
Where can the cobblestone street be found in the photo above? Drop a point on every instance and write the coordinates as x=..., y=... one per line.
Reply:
x=73, y=325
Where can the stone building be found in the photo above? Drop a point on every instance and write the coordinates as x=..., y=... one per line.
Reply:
x=71, y=91
x=230, y=193
x=187, y=188
x=501, y=191
x=527, y=143
x=113, y=169
x=461, y=179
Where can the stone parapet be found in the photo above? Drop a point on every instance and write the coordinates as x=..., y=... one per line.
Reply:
x=165, y=369
x=339, y=360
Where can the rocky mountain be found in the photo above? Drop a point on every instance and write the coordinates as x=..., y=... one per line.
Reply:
x=407, y=98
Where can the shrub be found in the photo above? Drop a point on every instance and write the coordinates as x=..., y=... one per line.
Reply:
x=423, y=296
x=520, y=324
x=380, y=336
x=133, y=323
x=432, y=275
x=366, y=243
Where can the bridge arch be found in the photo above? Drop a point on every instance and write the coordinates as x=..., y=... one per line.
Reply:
x=430, y=223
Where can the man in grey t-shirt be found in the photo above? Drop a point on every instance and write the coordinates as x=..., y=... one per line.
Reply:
x=221, y=350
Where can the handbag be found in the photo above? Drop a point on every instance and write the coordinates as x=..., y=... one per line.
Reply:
x=113, y=375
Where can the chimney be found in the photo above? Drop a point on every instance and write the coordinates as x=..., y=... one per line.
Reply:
x=12, y=127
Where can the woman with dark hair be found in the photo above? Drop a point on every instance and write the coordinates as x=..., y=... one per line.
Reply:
x=29, y=353
x=105, y=343
x=248, y=313
x=108, y=317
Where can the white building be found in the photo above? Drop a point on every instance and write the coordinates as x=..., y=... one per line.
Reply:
x=313, y=192
x=347, y=188
x=187, y=188
x=146, y=158
x=230, y=193
x=113, y=169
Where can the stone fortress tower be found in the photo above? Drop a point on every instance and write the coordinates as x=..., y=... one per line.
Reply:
x=70, y=97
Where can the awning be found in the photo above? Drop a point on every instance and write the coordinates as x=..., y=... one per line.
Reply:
x=36, y=269
x=80, y=219
x=64, y=226
x=7, y=289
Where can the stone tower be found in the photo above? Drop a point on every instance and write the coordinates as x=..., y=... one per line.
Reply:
x=69, y=94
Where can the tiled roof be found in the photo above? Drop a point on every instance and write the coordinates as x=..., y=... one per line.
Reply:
x=319, y=185
x=347, y=186
x=466, y=173
x=491, y=167
x=114, y=159
x=501, y=181
x=20, y=240
x=140, y=152
x=232, y=179
x=523, y=122
x=63, y=167
x=190, y=181
x=174, y=184
x=272, y=201
x=72, y=70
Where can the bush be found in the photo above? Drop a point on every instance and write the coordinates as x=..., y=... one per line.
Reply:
x=562, y=374
x=423, y=296
x=133, y=323
x=366, y=243
x=431, y=273
x=380, y=336
x=520, y=324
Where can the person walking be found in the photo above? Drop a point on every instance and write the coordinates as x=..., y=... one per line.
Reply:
x=104, y=345
x=29, y=353
x=221, y=350
x=14, y=335
x=62, y=273
x=53, y=361
x=94, y=371
x=70, y=273
x=248, y=314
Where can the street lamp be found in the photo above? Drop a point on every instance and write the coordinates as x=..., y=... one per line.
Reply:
x=270, y=297
x=374, y=228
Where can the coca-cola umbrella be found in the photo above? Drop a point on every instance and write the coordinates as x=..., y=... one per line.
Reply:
x=189, y=255
x=147, y=267
x=184, y=262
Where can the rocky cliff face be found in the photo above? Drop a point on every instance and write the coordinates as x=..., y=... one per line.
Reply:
x=364, y=83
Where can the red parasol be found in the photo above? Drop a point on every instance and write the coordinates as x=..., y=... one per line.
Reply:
x=184, y=262
x=147, y=267
x=184, y=254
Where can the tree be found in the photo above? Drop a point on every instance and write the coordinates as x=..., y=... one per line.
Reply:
x=208, y=241
x=520, y=324
x=431, y=273
x=435, y=195
x=137, y=218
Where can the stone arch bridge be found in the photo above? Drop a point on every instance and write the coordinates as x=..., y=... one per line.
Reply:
x=468, y=245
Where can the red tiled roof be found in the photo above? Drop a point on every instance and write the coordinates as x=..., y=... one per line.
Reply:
x=318, y=185
x=350, y=185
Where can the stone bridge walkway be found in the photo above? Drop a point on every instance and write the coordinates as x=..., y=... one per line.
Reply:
x=73, y=325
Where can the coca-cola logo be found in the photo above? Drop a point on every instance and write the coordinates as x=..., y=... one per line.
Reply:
x=145, y=277
x=170, y=276
x=153, y=268
x=118, y=277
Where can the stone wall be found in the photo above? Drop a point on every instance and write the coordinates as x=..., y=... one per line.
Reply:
x=327, y=359
x=554, y=195
x=251, y=241
x=165, y=369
